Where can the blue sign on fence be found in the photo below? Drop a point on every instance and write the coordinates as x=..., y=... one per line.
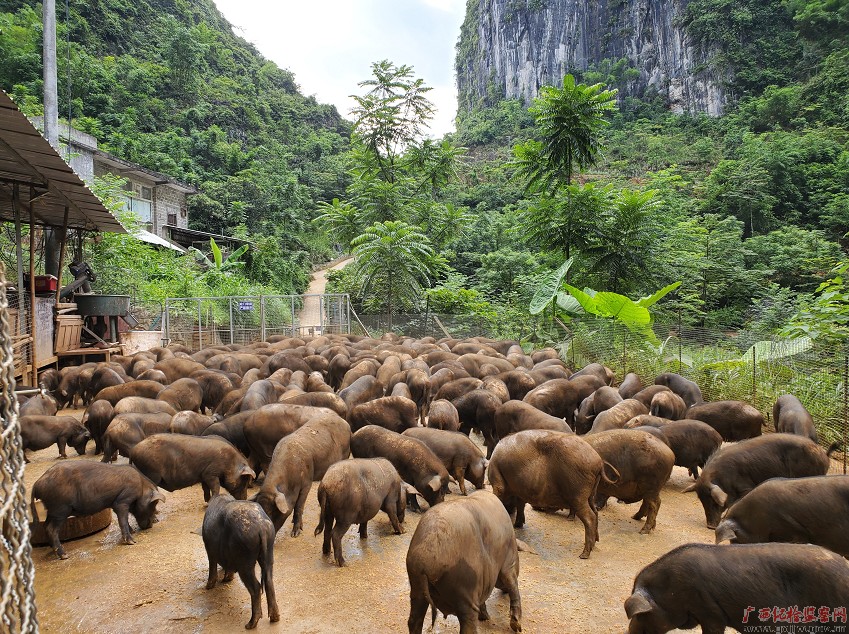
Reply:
x=246, y=305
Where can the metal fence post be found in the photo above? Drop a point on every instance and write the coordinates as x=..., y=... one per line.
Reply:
x=624, y=351
x=293, y=314
x=200, y=327
x=167, y=326
x=845, y=401
x=262, y=317
x=680, y=342
x=348, y=307
x=754, y=377
x=231, y=320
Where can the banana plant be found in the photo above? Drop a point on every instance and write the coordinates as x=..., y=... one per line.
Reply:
x=218, y=262
x=633, y=314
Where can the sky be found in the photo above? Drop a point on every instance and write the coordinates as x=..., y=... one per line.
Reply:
x=330, y=45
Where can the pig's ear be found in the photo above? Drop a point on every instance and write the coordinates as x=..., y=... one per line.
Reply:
x=156, y=496
x=434, y=484
x=281, y=504
x=719, y=496
x=690, y=488
x=403, y=497
x=247, y=471
x=725, y=531
x=637, y=604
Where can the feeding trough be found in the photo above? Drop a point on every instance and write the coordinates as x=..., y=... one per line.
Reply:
x=76, y=526
x=109, y=306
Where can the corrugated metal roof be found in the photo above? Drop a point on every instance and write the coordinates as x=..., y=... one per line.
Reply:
x=43, y=177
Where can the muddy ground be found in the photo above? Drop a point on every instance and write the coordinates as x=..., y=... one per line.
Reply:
x=158, y=584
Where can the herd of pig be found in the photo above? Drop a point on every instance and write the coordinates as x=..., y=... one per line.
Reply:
x=385, y=424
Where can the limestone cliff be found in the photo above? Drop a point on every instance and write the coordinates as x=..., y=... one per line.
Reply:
x=509, y=48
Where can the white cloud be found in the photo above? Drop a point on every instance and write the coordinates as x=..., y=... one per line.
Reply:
x=330, y=44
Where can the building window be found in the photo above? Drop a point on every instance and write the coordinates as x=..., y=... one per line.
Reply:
x=146, y=193
x=141, y=208
x=172, y=219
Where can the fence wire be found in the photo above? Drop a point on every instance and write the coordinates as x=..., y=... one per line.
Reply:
x=197, y=322
x=17, y=596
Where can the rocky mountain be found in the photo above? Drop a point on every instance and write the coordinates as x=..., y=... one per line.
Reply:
x=509, y=48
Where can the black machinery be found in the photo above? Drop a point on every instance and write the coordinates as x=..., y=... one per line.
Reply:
x=97, y=308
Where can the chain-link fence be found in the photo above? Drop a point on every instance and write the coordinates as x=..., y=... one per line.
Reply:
x=197, y=322
x=17, y=597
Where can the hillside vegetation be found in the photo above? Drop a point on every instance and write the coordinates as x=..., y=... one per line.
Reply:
x=749, y=211
x=168, y=85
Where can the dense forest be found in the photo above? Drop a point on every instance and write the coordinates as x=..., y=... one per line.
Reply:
x=749, y=210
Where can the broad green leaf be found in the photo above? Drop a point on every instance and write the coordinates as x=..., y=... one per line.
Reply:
x=568, y=303
x=586, y=301
x=547, y=289
x=622, y=308
x=657, y=295
x=216, y=253
x=237, y=253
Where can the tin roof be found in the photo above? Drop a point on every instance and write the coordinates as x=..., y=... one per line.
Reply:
x=44, y=179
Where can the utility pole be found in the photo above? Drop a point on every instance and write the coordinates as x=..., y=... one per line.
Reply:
x=51, y=120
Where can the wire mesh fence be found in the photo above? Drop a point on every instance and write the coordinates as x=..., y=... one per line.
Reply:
x=17, y=597
x=197, y=322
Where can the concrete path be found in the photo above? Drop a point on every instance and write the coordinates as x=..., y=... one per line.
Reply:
x=310, y=313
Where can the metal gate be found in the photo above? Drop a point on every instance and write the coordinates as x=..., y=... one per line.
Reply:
x=196, y=322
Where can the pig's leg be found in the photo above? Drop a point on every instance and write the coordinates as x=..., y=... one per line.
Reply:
x=363, y=530
x=213, y=571
x=418, y=611
x=61, y=443
x=459, y=475
x=328, y=529
x=266, y=567
x=392, y=512
x=52, y=528
x=508, y=583
x=248, y=577
x=122, y=511
x=338, y=531
x=298, y=517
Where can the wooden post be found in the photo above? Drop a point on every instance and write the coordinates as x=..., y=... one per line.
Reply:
x=62, y=255
x=33, y=334
x=20, y=256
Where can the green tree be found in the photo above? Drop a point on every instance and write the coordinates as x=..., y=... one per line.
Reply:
x=566, y=219
x=621, y=251
x=568, y=122
x=392, y=115
x=393, y=262
x=342, y=220
x=825, y=316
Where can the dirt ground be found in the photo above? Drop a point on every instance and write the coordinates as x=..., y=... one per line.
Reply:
x=157, y=585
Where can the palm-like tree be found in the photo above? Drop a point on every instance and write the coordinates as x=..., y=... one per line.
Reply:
x=568, y=120
x=621, y=249
x=394, y=260
x=342, y=220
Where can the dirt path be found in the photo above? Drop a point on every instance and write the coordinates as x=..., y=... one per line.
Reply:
x=310, y=314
